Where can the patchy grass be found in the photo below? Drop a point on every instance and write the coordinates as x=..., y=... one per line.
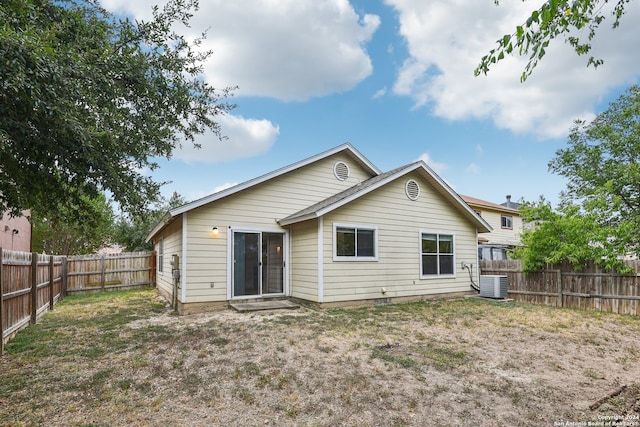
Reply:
x=122, y=358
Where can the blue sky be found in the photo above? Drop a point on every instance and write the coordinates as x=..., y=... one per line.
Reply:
x=395, y=79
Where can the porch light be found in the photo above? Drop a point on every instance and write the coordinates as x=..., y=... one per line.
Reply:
x=215, y=231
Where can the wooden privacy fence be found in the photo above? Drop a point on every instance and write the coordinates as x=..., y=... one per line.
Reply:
x=102, y=272
x=31, y=283
x=561, y=286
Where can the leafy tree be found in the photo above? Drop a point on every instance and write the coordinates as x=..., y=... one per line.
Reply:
x=88, y=100
x=568, y=234
x=555, y=18
x=132, y=231
x=61, y=232
x=599, y=217
x=601, y=165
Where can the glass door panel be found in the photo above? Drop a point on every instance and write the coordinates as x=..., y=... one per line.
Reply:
x=246, y=264
x=272, y=263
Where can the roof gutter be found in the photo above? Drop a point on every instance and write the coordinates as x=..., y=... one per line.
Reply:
x=166, y=219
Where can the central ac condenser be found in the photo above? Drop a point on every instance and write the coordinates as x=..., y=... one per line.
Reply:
x=493, y=286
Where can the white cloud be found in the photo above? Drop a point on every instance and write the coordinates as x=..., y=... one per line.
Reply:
x=290, y=50
x=479, y=150
x=246, y=138
x=446, y=39
x=473, y=169
x=380, y=93
x=437, y=167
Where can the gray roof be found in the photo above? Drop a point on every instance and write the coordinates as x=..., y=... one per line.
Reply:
x=362, y=187
x=350, y=194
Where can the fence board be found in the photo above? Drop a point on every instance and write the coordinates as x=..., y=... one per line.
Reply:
x=31, y=283
x=559, y=285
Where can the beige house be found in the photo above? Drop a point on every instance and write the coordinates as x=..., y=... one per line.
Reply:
x=506, y=223
x=331, y=229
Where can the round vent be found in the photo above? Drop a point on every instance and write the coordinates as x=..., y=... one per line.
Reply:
x=413, y=189
x=341, y=171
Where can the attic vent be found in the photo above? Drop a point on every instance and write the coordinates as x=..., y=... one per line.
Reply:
x=341, y=171
x=412, y=189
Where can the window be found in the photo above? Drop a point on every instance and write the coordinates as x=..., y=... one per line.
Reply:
x=437, y=254
x=160, y=254
x=507, y=222
x=355, y=243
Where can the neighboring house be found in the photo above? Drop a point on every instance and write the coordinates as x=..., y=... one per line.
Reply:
x=507, y=227
x=510, y=204
x=331, y=229
x=15, y=233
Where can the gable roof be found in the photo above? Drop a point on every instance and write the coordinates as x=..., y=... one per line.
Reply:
x=346, y=148
x=359, y=190
x=493, y=206
x=378, y=180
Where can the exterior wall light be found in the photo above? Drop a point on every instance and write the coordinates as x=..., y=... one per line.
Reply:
x=215, y=231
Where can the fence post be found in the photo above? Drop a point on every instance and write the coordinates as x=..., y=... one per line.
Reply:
x=102, y=269
x=152, y=272
x=1, y=304
x=34, y=287
x=51, y=287
x=63, y=289
x=560, y=296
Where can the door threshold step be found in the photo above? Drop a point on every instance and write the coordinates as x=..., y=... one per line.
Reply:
x=244, y=307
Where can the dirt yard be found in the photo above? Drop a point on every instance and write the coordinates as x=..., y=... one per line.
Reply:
x=123, y=359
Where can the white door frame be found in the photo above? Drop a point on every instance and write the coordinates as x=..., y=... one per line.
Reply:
x=285, y=270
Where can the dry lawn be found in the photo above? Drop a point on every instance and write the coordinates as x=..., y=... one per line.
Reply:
x=123, y=359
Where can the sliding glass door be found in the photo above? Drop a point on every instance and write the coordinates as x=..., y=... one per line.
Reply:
x=258, y=263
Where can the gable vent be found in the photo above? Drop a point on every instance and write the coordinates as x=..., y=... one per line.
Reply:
x=412, y=189
x=341, y=171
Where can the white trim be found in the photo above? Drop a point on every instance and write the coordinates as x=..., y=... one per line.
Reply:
x=229, y=263
x=437, y=232
x=321, y=259
x=224, y=193
x=355, y=258
x=288, y=249
x=183, y=273
x=160, y=256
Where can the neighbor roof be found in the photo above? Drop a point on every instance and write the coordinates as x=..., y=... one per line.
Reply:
x=494, y=206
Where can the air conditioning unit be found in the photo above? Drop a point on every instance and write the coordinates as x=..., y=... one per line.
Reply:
x=493, y=286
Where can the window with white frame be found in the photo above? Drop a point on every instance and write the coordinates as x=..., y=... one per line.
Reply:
x=507, y=222
x=160, y=254
x=437, y=254
x=355, y=242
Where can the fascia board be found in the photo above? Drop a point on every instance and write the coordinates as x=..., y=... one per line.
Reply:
x=255, y=181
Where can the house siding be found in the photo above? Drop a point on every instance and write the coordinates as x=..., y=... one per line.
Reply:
x=398, y=266
x=304, y=260
x=172, y=244
x=258, y=207
x=499, y=235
